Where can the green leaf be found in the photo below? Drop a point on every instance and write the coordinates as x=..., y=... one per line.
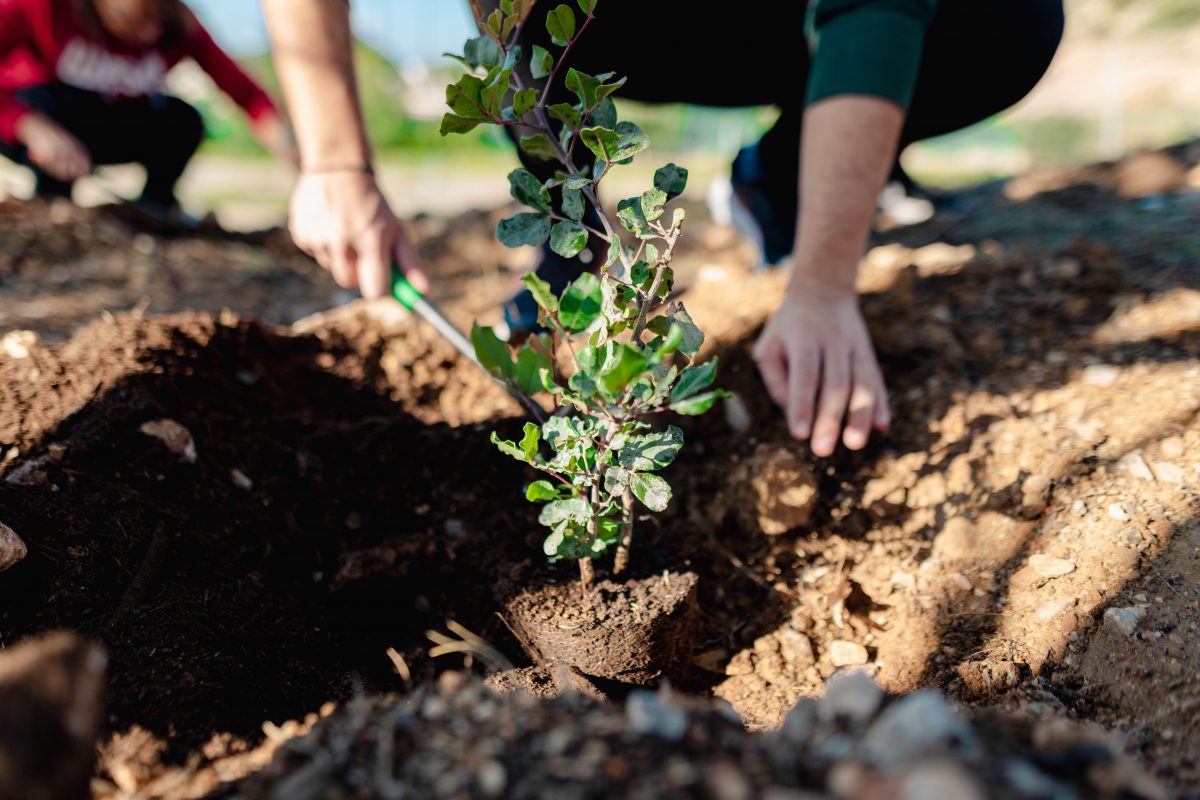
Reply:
x=652, y=451
x=668, y=344
x=632, y=141
x=539, y=146
x=481, y=51
x=652, y=203
x=492, y=353
x=529, y=442
x=523, y=102
x=464, y=98
x=494, y=21
x=452, y=123
x=568, y=238
x=527, y=373
x=694, y=379
x=601, y=141
x=671, y=179
x=527, y=189
x=651, y=254
x=494, y=88
x=542, y=62
x=524, y=229
x=629, y=211
x=694, y=406
x=565, y=113
x=660, y=325
x=576, y=182
x=616, y=479
x=587, y=6
x=540, y=290
x=580, y=303
x=540, y=491
x=574, y=509
x=605, y=114
x=560, y=23
x=693, y=337
x=651, y=490
x=677, y=217
x=572, y=203
x=509, y=448
x=621, y=366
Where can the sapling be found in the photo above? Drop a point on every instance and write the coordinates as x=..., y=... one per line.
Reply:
x=632, y=353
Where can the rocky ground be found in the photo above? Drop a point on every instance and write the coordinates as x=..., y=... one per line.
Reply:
x=1025, y=540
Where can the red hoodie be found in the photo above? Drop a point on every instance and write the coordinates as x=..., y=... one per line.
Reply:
x=41, y=41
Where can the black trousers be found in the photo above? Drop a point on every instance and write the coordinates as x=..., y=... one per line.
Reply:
x=160, y=132
x=980, y=57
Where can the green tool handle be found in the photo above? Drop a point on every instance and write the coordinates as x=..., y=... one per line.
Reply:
x=411, y=298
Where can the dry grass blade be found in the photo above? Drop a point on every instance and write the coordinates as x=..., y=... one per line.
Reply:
x=468, y=643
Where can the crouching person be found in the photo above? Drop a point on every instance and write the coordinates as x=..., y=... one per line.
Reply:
x=81, y=85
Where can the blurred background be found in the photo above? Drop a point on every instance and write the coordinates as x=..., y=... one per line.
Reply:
x=1127, y=77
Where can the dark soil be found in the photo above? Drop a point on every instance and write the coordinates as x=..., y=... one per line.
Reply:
x=632, y=631
x=1043, y=361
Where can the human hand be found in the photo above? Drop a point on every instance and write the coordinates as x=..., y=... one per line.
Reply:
x=816, y=359
x=273, y=133
x=53, y=148
x=343, y=221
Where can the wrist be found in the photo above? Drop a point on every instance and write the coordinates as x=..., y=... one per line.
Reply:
x=826, y=280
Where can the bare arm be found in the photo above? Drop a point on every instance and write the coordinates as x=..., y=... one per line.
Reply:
x=338, y=213
x=815, y=353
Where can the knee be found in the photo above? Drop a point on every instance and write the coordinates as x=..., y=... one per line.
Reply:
x=183, y=123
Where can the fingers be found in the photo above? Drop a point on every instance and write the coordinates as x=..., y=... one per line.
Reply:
x=864, y=398
x=804, y=377
x=374, y=263
x=408, y=261
x=772, y=365
x=341, y=263
x=835, y=392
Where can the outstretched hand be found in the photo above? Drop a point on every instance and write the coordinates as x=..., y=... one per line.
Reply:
x=53, y=148
x=816, y=359
x=343, y=221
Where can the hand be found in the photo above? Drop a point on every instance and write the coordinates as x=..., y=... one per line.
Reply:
x=52, y=147
x=816, y=358
x=275, y=136
x=343, y=221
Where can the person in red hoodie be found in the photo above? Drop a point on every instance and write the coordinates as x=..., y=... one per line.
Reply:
x=81, y=85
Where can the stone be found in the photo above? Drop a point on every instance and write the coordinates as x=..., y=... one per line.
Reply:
x=240, y=479
x=12, y=549
x=847, y=654
x=1124, y=620
x=1101, y=375
x=647, y=713
x=737, y=416
x=1117, y=511
x=852, y=696
x=1172, y=447
x=175, y=436
x=1053, y=608
x=18, y=344
x=939, y=781
x=921, y=725
x=1048, y=567
x=1167, y=472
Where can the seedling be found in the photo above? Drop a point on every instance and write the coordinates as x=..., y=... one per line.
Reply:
x=631, y=352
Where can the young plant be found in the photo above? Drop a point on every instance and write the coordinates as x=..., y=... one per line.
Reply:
x=631, y=352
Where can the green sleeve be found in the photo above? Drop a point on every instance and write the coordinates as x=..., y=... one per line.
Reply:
x=870, y=47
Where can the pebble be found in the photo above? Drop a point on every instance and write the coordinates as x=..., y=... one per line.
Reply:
x=737, y=416
x=1053, y=608
x=1117, y=511
x=1125, y=619
x=18, y=344
x=920, y=725
x=847, y=654
x=939, y=781
x=1048, y=567
x=852, y=696
x=12, y=549
x=1079, y=508
x=648, y=713
x=1169, y=473
x=240, y=479
x=1101, y=374
x=492, y=778
x=1172, y=447
x=175, y=436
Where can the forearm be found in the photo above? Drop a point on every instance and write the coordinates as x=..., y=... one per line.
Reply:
x=313, y=53
x=847, y=152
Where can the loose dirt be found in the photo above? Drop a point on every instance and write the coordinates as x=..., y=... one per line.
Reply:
x=1024, y=539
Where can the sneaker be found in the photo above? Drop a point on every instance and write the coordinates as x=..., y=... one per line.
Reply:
x=521, y=312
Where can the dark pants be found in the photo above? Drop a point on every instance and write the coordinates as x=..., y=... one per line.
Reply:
x=159, y=132
x=980, y=57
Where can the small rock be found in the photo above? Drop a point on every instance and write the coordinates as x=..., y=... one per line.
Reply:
x=939, y=781
x=1049, y=567
x=921, y=725
x=12, y=549
x=985, y=678
x=176, y=437
x=726, y=782
x=1125, y=620
x=1053, y=608
x=240, y=479
x=1117, y=511
x=1037, y=484
x=1169, y=473
x=18, y=344
x=737, y=416
x=1079, y=508
x=492, y=778
x=852, y=696
x=847, y=654
x=647, y=713
x=904, y=580
x=1101, y=374
x=1172, y=447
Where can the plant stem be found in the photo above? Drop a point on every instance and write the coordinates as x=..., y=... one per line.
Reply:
x=587, y=575
x=621, y=560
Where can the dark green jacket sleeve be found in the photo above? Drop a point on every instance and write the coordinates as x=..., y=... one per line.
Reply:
x=870, y=47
